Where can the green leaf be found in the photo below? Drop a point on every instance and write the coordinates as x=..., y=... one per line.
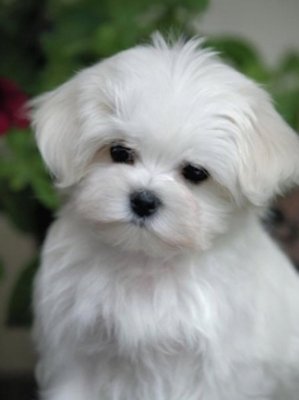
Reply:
x=287, y=103
x=290, y=64
x=45, y=192
x=21, y=168
x=20, y=304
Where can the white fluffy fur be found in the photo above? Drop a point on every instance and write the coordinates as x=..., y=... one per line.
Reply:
x=198, y=304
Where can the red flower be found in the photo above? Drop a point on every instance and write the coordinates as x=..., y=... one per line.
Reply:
x=12, y=102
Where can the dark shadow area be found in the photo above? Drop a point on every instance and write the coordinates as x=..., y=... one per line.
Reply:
x=17, y=387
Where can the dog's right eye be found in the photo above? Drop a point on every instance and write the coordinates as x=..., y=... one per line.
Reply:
x=195, y=173
x=122, y=154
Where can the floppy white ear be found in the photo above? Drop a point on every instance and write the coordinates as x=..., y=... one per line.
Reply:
x=269, y=152
x=56, y=123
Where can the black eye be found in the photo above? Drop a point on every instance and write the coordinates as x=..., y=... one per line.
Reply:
x=195, y=173
x=122, y=154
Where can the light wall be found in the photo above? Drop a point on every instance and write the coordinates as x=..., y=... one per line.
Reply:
x=272, y=25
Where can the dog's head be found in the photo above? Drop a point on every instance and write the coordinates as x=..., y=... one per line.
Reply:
x=162, y=145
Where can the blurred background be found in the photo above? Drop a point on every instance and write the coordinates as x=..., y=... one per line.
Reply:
x=43, y=42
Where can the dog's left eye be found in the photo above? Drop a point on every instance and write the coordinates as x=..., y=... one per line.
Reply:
x=122, y=154
x=195, y=173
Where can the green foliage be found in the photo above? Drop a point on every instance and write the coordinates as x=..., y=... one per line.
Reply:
x=20, y=24
x=86, y=31
x=27, y=196
x=22, y=167
x=46, y=41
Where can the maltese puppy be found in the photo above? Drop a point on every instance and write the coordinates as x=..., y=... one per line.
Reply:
x=157, y=280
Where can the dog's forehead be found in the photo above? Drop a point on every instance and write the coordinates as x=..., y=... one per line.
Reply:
x=162, y=105
x=174, y=90
x=170, y=102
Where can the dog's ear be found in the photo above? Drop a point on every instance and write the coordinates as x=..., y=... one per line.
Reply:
x=269, y=152
x=56, y=123
x=54, y=119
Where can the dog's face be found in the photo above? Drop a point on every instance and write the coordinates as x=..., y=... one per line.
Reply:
x=162, y=147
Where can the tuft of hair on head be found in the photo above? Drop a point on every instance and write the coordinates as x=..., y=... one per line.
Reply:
x=179, y=43
x=174, y=41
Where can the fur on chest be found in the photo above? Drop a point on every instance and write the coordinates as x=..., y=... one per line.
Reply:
x=159, y=309
x=133, y=305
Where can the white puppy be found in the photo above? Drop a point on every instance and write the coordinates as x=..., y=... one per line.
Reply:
x=157, y=280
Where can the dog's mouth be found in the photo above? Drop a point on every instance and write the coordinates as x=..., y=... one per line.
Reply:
x=143, y=223
x=150, y=227
x=161, y=230
x=140, y=224
x=146, y=233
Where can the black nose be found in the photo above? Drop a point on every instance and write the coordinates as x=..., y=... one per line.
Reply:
x=144, y=203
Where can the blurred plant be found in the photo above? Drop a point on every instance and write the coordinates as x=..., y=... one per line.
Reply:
x=25, y=189
x=12, y=99
x=45, y=42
